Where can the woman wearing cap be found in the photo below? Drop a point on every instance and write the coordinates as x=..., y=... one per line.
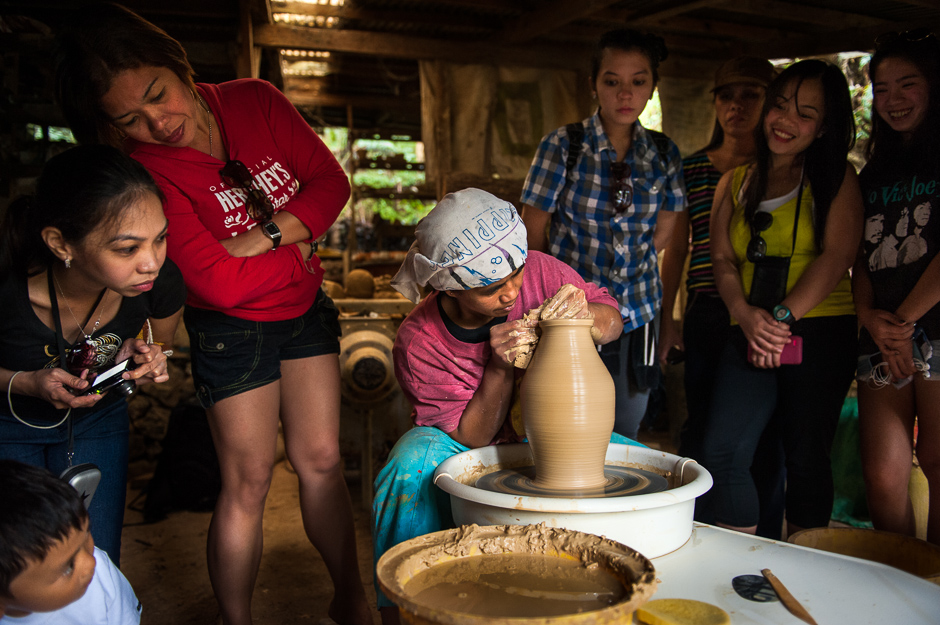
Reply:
x=249, y=187
x=738, y=98
x=609, y=190
x=740, y=85
x=454, y=353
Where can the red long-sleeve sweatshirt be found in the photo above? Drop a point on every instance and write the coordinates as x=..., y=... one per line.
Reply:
x=262, y=129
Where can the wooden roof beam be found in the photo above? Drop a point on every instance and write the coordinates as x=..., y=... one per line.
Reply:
x=400, y=46
x=812, y=15
x=656, y=11
x=551, y=16
x=719, y=28
x=301, y=98
x=846, y=40
x=422, y=18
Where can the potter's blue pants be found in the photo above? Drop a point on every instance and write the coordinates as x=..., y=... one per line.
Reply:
x=407, y=504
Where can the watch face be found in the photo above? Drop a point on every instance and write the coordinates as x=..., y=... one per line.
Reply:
x=271, y=229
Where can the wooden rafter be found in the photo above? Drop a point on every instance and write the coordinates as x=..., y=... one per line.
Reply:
x=400, y=46
x=845, y=40
x=719, y=28
x=656, y=11
x=301, y=98
x=419, y=19
x=552, y=16
x=787, y=11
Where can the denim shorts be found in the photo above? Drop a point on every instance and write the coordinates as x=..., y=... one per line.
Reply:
x=864, y=369
x=232, y=355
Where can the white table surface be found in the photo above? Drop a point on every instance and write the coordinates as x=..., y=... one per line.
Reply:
x=834, y=589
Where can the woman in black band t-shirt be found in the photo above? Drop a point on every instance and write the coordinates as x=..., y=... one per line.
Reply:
x=896, y=281
x=82, y=272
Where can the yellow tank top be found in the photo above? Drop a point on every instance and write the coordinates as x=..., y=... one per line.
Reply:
x=779, y=238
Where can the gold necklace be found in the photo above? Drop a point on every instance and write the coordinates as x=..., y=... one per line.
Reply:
x=81, y=328
x=208, y=121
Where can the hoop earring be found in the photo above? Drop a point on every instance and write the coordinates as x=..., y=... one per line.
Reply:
x=68, y=262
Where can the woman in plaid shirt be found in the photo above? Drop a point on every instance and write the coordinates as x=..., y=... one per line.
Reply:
x=609, y=209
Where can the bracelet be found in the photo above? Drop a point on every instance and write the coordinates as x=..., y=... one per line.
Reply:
x=308, y=262
x=17, y=417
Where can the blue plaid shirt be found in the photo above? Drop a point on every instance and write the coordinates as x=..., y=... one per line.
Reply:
x=610, y=249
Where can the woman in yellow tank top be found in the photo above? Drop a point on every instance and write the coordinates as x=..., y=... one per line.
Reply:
x=784, y=233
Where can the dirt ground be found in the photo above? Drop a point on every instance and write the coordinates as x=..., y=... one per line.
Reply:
x=165, y=562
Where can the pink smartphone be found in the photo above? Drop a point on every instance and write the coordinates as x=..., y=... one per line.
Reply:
x=792, y=353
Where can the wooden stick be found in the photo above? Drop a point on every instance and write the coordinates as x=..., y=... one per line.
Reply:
x=787, y=599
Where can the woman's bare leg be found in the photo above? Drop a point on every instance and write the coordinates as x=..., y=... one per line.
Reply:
x=310, y=405
x=927, y=393
x=886, y=426
x=244, y=430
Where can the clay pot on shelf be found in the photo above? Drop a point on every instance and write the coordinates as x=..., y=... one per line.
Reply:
x=568, y=407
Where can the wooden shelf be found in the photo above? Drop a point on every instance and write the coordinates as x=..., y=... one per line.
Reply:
x=392, y=193
x=394, y=163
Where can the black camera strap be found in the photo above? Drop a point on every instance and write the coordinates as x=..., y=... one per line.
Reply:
x=796, y=217
x=60, y=342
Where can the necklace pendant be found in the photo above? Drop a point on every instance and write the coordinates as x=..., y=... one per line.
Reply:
x=82, y=355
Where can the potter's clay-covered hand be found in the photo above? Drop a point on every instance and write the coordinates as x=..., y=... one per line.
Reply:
x=569, y=302
x=509, y=340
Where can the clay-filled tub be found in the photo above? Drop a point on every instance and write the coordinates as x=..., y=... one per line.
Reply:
x=498, y=580
x=654, y=524
x=907, y=553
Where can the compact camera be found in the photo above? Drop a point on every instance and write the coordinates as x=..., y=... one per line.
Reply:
x=111, y=380
x=84, y=478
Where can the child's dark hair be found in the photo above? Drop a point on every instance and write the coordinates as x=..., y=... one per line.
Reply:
x=38, y=511
x=824, y=161
x=922, y=50
x=79, y=190
x=651, y=46
x=107, y=40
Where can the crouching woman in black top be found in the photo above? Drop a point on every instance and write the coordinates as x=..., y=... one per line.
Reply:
x=83, y=279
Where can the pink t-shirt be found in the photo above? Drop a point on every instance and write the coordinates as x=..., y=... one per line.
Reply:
x=439, y=373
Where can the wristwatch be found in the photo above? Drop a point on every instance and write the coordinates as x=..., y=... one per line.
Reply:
x=782, y=313
x=270, y=230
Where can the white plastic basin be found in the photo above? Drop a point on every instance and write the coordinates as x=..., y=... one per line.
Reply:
x=653, y=524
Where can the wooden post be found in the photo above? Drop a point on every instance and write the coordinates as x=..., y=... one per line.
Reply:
x=248, y=64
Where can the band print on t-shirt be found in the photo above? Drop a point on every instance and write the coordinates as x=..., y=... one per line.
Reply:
x=901, y=244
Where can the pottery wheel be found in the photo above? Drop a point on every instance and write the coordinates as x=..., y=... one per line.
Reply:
x=621, y=482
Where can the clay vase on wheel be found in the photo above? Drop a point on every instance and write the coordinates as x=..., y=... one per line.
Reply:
x=568, y=407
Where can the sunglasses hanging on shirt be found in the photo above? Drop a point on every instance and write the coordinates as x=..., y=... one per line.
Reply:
x=621, y=190
x=757, y=246
x=236, y=174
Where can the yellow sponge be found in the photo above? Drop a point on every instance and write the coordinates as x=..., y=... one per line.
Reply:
x=681, y=612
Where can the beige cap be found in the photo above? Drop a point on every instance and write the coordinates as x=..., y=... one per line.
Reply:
x=746, y=69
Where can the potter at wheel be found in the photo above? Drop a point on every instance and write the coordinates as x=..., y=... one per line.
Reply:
x=621, y=481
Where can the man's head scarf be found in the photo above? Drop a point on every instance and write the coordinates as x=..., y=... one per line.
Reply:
x=470, y=239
